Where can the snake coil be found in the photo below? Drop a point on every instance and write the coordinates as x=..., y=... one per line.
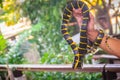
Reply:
x=67, y=15
x=85, y=44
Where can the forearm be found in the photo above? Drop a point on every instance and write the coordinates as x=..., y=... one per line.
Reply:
x=111, y=46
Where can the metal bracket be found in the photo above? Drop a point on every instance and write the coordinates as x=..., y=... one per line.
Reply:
x=108, y=75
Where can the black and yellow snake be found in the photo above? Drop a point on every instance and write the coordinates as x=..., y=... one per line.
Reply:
x=81, y=50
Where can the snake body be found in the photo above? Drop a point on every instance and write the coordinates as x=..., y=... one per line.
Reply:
x=81, y=50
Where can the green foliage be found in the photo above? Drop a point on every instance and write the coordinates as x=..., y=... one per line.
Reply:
x=52, y=58
x=49, y=14
x=12, y=54
x=1, y=5
x=15, y=53
x=46, y=16
x=3, y=45
x=49, y=58
x=63, y=76
x=45, y=32
x=3, y=50
x=10, y=11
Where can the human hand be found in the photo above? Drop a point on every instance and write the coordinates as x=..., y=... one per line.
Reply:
x=91, y=32
x=77, y=14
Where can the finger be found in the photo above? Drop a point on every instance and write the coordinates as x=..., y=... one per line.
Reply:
x=91, y=17
x=74, y=10
x=72, y=23
x=80, y=10
x=91, y=22
x=77, y=11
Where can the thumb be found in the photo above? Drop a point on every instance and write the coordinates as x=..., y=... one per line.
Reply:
x=91, y=23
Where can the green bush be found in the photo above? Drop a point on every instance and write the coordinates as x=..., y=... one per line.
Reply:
x=49, y=58
x=46, y=18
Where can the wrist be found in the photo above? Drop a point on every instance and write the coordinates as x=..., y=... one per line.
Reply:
x=79, y=21
x=92, y=35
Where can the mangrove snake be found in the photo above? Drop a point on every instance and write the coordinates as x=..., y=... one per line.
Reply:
x=81, y=50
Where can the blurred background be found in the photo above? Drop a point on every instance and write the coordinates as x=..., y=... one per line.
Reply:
x=30, y=34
